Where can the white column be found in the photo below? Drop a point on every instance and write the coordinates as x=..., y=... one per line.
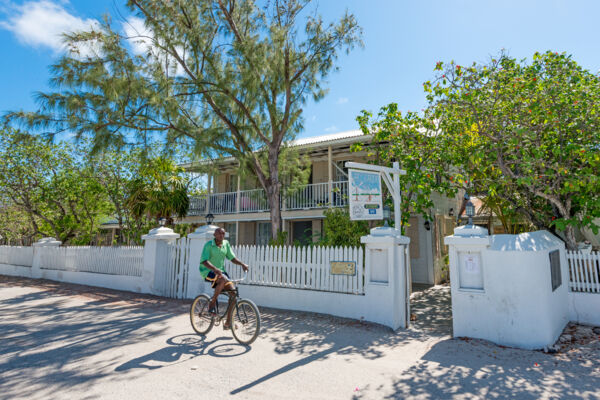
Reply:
x=387, y=277
x=208, y=194
x=330, y=175
x=38, y=253
x=237, y=195
x=198, y=239
x=156, y=259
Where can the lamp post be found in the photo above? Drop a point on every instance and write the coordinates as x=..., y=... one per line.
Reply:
x=162, y=221
x=470, y=211
x=209, y=218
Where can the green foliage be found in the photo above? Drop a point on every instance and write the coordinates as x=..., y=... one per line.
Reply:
x=52, y=185
x=229, y=77
x=414, y=142
x=159, y=190
x=525, y=134
x=281, y=239
x=340, y=230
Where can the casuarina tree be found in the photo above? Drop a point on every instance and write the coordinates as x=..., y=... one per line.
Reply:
x=230, y=76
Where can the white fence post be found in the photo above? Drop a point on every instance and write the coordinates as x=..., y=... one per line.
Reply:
x=38, y=246
x=156, y=259
x=386, y=277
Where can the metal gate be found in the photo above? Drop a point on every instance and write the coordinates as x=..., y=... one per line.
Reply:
x=178, y=267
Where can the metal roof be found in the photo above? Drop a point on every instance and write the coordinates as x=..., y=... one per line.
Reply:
x=333, y=138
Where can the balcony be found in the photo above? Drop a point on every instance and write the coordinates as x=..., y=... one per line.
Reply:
x=312, y=196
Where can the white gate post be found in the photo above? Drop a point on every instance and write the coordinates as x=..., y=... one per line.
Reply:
x=36, y=271
x=156, y=259
x=198, y=239
x=387, y=277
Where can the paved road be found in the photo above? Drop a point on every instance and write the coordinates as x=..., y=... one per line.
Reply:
x=61, y=341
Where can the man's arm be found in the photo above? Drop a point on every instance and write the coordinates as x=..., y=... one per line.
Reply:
x=241, y=264
x=208, y=265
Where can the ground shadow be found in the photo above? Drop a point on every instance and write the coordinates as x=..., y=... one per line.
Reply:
x=319, y=336
x=45, y=333
x=471, y=368
x=182, y=348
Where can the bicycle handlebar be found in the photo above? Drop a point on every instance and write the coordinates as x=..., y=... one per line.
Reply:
x=241, y=279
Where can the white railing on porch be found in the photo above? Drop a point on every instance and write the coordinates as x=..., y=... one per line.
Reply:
x=315, y=195
x=584, y=271
x=254, y=200
x=222, y=203
x=125, y=260
x=311, y=196
x=299, y=267
x=16, y=255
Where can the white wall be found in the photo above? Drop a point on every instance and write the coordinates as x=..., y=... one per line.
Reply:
x=516, y=306
x=584, y=308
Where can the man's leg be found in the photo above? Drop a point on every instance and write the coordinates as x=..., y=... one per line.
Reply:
x=218, y=288
x=229, y=306
x=221, y=282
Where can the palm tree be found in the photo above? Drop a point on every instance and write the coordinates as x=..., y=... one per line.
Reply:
x=159, y=191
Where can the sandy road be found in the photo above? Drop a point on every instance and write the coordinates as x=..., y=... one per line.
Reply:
x=60, y=341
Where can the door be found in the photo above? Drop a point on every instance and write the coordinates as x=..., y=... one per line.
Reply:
x=302, y=232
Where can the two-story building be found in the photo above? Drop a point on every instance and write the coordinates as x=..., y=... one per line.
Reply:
x=240, y=205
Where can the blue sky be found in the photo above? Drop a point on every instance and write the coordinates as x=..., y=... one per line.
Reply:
x=403, y=41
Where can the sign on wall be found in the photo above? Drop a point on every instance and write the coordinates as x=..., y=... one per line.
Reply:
x=364, y=192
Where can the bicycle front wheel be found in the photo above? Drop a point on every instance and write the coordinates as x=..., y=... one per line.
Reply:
x=201, y=320
x=245, y=322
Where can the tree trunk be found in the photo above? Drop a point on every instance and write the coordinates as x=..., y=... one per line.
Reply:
x=570, y=238
x=274, y=191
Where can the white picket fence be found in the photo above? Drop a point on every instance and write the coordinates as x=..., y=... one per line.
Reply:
x=126, y=260
x=178, y=269
x=16, y=255
x=584, y=271
x=299, y=267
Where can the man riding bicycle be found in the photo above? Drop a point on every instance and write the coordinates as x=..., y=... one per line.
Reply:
x=212, y=268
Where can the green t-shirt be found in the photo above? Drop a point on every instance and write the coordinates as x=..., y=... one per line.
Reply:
x=215, y=255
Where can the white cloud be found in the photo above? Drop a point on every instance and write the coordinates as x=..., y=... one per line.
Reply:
x=139, y=37
x=332, y=128
x=342, y=100
x=41, y=24
x=141, y=40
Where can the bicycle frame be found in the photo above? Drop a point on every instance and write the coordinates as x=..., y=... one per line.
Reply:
x=234, y=296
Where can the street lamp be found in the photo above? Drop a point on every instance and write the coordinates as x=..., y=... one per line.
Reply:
x=209, y=218
x=162, y=221
x=470, y=211
x=387, y=214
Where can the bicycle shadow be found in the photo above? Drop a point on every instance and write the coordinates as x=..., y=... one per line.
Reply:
x=182, y=348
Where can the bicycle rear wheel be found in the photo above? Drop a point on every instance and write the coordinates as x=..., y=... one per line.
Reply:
x=201, y=320
x=245, y=322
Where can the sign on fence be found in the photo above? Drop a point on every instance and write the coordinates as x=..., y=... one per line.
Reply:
x=364, y=191
x=343, y=267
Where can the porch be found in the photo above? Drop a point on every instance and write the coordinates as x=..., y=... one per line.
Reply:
x=312, y=196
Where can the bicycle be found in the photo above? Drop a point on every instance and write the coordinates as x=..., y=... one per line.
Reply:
x=245, y=317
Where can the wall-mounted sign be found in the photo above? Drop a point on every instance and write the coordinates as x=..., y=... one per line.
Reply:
x=343, y=267
x=364, y=193
x=470, y=271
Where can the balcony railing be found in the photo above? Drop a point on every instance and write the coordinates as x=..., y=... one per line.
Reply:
x=312, y=196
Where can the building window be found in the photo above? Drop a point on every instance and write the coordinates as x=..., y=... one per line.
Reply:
x=230, y=228
x=263, y=233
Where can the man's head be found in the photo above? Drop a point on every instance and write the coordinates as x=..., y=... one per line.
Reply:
x=219, y=235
